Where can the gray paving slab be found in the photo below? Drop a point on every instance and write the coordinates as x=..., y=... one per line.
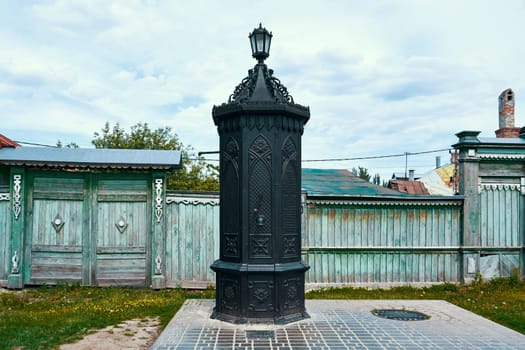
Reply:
x=342, y=324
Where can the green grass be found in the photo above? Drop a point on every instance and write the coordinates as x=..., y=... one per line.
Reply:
x=46, y=317
x=501, y=300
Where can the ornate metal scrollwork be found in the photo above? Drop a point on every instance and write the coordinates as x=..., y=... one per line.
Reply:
x=17, y=197
x=261, y=294
x=158, y=199
x=245, y=89
x=231, y=242
x=291, y=288
x=290, y=244
x=280, y=92
x=260, y=246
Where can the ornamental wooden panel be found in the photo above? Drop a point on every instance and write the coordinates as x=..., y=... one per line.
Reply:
x=56, y=230
x=122, y=230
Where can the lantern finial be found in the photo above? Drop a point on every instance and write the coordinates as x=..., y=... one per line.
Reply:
x=260, y=40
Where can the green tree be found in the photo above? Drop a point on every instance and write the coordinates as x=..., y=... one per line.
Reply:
x=376, y=180
x=361, y=172
x=195, y=174
x=68, y=145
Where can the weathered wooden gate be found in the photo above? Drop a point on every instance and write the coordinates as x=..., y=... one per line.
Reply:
x=97, y=237
x=56, y=230
x=122, y=225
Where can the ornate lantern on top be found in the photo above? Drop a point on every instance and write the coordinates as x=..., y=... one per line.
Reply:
x=260, y=39
x=260, y=274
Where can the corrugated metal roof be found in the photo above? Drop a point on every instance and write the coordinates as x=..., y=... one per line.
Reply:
x=402, y=177
x=341, y=182
x=438, y=181
x=91, y=158
x=409, y=187
x=501, y=140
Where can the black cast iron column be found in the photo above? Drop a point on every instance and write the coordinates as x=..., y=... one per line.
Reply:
x=260, y=274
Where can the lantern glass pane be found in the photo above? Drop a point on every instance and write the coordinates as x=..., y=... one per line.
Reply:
x=252, y=43
x=260, y=42
x=267, y=44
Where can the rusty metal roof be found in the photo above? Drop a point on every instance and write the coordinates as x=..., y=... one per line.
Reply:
x=409, y=187
x=341, y=182
x=91, y=158
x=7, y=142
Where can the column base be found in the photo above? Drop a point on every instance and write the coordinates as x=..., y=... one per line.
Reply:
x=259, y=293
x=247, y=320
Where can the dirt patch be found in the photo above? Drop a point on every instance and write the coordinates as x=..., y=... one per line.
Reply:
x=132, y=334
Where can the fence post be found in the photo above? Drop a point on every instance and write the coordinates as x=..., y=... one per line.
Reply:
x=15, y=280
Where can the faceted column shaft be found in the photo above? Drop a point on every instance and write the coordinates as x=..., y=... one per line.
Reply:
x=260, y=275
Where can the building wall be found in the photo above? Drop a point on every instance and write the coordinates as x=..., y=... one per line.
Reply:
x=492, y=180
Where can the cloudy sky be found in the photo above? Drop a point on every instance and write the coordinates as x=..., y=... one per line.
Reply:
x=380, y=77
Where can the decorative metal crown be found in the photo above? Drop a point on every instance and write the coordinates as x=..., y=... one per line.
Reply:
x=245, y=90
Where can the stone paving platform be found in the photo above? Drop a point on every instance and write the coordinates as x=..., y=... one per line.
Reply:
x=342, y=324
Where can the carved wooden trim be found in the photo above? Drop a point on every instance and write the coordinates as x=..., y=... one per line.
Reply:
x=17, y=197
x=159, y=186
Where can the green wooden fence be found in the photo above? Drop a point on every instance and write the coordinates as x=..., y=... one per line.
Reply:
x=501, y=229
x=192, y=242
x=372, y=242
x=345, y=240
x=382, y=241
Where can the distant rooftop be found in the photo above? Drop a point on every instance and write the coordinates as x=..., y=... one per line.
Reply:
x=440, y=181
x=341, y=182
x=498, y=140
x=408, y=187
x=50, y=157
x=7, y=142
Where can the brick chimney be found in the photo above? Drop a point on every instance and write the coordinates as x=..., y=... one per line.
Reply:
x=506, y=116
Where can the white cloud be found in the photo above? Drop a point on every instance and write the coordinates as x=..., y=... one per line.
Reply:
x=379, y=77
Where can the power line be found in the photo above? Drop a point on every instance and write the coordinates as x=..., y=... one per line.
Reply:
x=376, y=157
x=404, y=154
x=34, y=144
